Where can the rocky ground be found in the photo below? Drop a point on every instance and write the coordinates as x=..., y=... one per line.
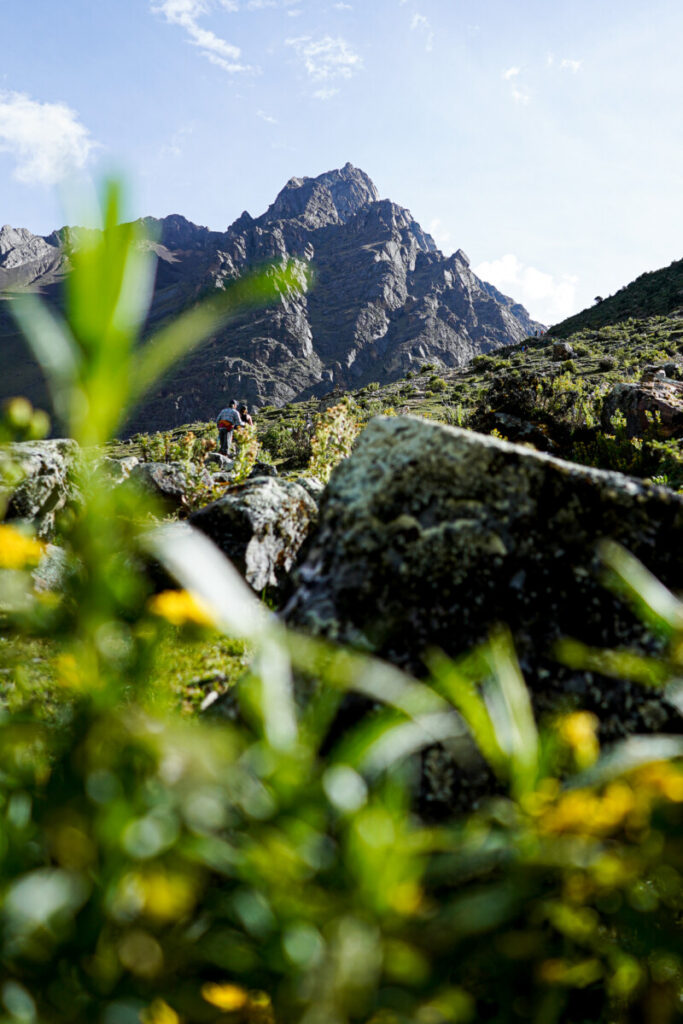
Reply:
x=437, y=528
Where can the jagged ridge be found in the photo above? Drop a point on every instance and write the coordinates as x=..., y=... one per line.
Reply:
x=383, y=299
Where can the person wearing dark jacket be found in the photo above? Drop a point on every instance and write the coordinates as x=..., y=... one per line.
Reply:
x=227, y=420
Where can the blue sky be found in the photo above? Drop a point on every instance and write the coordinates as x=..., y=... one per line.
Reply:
x=544, y=138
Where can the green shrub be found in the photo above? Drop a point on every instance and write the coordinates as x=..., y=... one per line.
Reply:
x=246, y=454
x=335, y=431
x=288, y=441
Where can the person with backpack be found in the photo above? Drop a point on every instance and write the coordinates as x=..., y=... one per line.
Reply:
x=228, y=419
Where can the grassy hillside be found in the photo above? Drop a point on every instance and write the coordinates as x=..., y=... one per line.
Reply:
x=524, y=395
x=659, y=292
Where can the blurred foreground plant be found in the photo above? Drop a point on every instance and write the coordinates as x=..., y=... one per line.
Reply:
x=261, y=867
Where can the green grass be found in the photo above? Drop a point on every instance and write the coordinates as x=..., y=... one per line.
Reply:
x=187, y=667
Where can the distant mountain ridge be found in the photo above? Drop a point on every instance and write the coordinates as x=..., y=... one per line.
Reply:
x=383, y=300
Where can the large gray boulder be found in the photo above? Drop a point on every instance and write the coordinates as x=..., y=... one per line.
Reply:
x=430, y=535
x=47, y=486
x=562, y=351
x=172, y=482
x=260, y=526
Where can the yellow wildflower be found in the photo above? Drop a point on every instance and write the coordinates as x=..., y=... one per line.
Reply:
x=159, y=1012
x=579, y=731
x=180, y=608
x=68, y=672
x=662, y=779
x=585, y=812
x=17, y=551
x=225, y=997
x=167, y=897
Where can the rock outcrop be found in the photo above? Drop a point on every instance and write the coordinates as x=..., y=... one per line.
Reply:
x=381, y=299
x=172, y=482
x=653, y=407
x=46, y=487
x=260, y=526
x=430, y=535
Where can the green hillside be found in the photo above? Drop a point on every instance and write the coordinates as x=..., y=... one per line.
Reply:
x=656, y=293
x=525, y=395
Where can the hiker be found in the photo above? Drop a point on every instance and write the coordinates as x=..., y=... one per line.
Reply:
x=227, y=420
x=245, y=417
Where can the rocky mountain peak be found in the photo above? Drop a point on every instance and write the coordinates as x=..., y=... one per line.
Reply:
x=19, y=247
x=176, y=231
x=13, y=238
x=378, y=298
x=331, y=198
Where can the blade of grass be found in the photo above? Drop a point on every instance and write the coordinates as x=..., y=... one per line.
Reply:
x=631, y=580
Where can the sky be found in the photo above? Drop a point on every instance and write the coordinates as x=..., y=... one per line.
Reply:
x=543, y=138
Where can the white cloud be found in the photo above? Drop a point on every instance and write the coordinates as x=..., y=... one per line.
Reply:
x=439, y=233
x=175, y=147
x=519, y=93
x=571, y=65
x=47, y=140
x=548, y=298
x=268, y=118
x=259, y=5
x=422, y=24
x=186, y=14
x=325, y=94
x=521, y=96
x=327, y=58
x=342, y=6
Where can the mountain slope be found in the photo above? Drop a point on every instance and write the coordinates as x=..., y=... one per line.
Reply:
x=656, y=293
x=382, y=299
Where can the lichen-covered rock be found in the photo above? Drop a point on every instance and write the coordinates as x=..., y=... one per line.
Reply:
x=672, y=369
x=515, y=429
x=263, y=469
x=118, y=469
x=260, y=526
x=50, y=573
x=313, y=485
x=47, y=486
x=215, y=461
x=429, y=536
x=653, y=406
x=173, y=482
